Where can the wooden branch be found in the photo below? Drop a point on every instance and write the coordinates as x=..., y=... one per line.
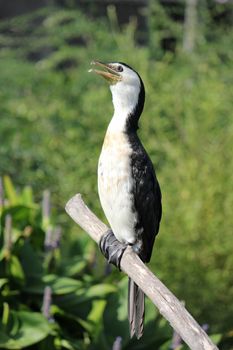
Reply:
x=169, y=306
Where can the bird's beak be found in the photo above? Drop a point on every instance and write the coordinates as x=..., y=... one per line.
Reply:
x=109, y=73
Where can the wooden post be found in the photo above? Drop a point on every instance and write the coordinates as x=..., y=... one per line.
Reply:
x=169, y=306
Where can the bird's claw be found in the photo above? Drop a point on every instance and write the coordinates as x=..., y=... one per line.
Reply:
x=111, y=248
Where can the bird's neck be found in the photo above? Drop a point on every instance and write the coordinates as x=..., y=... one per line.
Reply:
x=121, y=121
x=126, y=114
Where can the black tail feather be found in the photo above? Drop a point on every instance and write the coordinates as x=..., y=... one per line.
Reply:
x=136, y=309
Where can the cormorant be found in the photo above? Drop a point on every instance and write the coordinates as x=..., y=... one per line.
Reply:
x=128, y=188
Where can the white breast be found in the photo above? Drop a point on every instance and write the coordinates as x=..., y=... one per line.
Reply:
x=115, y=186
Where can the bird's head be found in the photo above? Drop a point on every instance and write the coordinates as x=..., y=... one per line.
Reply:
x=125, y=84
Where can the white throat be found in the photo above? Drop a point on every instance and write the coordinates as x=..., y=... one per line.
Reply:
x=125, y=99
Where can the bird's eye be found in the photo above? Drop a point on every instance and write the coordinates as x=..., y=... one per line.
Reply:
x=119, y=68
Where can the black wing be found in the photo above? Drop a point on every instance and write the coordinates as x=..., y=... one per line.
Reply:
x=147, y=200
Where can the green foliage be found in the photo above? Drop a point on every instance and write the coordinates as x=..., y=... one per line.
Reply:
x=53, y=107
x=80, y=313
x=163, y=30
x=23, y=329
x=166, y=26
x=53, y=118
x=197, y=192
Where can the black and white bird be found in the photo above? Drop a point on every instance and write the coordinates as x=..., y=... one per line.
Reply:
x=128, y=188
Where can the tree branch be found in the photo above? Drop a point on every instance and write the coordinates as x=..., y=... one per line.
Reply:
x=169, y=306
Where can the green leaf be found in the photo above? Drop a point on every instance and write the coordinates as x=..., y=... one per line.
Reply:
x=96, y=316
x=27, y=196
x=3, y=281
x=66, y=344
x=86, y=294
x=30, y=260
x=15, y=268
x=216, y=338
x=10, y=190
x=5, y=314
x=71, y=344
x=75, y=266
x=27, y=328
x=21, y=214
x=62, y=285
x=96, y=313
x=167, y=345
x=100, y=290
x=59, y=285
x=80, y=300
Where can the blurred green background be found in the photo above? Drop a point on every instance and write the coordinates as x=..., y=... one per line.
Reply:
x=56, y=290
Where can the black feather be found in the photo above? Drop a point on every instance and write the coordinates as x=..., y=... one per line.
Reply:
x=147, y=198
x=136, y=309
x=147, y=205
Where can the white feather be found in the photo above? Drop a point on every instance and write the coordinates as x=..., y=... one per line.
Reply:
x=115, y=186
x=114, y=174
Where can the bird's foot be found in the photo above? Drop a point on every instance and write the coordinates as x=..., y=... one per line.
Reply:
x=111, y=248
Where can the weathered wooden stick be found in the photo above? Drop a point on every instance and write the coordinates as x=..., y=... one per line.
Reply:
x=169, y=306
